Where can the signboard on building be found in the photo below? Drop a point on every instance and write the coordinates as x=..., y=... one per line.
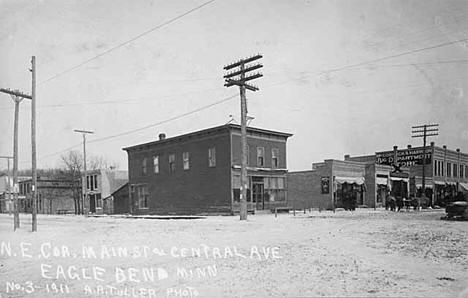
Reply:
x=405, y=157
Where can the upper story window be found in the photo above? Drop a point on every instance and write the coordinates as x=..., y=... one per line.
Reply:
x=171, y=162
x=274, y=157
x=144, y=166
x=212, y=157
x=461, y=171
x=91, y=182
x=455, y=170
x=466, y=171
x=156, y=164
x=186, y=159
x=260, y=156
x=442, y=173
x=449, y=169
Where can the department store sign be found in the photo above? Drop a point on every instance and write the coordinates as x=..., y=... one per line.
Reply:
x=405, y=157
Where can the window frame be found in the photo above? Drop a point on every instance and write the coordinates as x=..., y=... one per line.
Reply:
x=142, y=192
x=144, y=166
x=261, y=149
x=172, y=163
x=155, y=164
x=274, y=157
x=186, y=160
x=212, y=157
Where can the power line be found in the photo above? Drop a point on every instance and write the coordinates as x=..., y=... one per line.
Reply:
x=393, y=56
x=90, y=102
x=374, y=60
x=127, y=42
x=163, y=121
x=141, y=128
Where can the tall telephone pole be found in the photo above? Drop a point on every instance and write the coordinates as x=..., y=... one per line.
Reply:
x=239, y=78
x=424, y=131
x=85, y=191
x=33, y=144
x=17, y=97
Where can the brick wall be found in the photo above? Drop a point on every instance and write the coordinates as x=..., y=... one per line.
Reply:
x=253, y=143
x=121, y=200
x=197, y=190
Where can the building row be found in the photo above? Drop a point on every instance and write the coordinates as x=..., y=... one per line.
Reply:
x=60, y=195
x=199, y=172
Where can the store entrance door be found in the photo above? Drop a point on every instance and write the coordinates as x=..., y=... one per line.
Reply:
x=258, y=192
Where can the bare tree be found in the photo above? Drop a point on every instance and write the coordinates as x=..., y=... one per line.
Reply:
x=101, y=163
x=72, y=162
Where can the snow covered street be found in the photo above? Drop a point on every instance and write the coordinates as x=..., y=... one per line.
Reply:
x=364, y=253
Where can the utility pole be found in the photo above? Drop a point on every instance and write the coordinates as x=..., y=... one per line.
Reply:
x=8, y=183
x=239, y=78
x=33, y=144
x=17, y=97
x=424, y=131
x=85, y=192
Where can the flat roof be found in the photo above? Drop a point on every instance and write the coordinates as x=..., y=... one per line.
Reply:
x=229, y=127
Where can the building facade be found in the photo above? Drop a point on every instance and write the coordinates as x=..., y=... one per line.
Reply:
x=54, y=196
x=199, y=172
x=100, y=184
x=397, y=172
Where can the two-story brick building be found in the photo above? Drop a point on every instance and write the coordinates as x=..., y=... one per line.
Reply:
x=199, y=172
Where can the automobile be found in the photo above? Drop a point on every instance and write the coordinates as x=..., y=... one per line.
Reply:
x=457, y=209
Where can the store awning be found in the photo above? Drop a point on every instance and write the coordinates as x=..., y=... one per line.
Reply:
x=381, y=181
x=399, y=179
x=463, y=186
x=427, y=185
x=350, y=180
x=439, y=182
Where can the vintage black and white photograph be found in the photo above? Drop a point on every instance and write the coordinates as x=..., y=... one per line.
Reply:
x=215, y=148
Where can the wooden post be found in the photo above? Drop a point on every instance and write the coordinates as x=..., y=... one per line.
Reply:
x=33, y=145
x=243, y=85
x=16, y=220
x=243, y=198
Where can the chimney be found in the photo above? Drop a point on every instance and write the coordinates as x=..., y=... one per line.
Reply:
x=409, y=146
x=346, y=157
x=162, y=136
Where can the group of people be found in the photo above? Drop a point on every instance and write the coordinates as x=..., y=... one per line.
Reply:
x=398, y=203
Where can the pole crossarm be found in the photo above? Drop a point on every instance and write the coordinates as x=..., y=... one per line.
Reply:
x=15, y=93
x=243, y=61
x=247, y=69
x=426, y=125
x=83, y=131
x=426, y=135
x=230, y=83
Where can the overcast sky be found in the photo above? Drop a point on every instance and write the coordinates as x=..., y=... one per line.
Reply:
x=310, y=87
